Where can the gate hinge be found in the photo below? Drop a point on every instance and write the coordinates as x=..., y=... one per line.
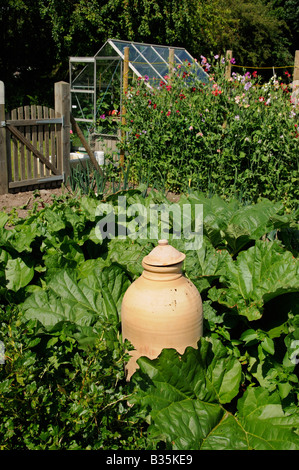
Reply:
x=2, y=124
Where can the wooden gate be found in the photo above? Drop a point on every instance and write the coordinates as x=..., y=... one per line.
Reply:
x=34, y=150
x=35, y=143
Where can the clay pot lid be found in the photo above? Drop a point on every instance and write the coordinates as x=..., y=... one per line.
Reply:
x=164, y=255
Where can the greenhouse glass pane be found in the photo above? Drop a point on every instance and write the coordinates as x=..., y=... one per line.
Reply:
x=82, y=106
x=183, y=55
x=163, y=52
x=121, y=47
x=151, y=63
x=107, y=51
x=107, y=71
x=108, y=86
x=202, y=76
x=148, y=53
x=83, y=76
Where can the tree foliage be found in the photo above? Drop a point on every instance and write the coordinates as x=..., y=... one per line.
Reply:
x=261, y=37
x=39, y=36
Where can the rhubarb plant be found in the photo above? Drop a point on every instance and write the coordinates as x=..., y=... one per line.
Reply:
x=187, y=396
x=61, y=288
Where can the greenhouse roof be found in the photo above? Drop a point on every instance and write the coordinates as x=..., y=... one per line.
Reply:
x=148, y=59
x=96, y=82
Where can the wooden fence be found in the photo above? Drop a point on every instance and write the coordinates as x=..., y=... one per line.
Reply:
x=35, y=143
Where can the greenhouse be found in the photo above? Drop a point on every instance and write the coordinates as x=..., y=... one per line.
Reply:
x=97, y=82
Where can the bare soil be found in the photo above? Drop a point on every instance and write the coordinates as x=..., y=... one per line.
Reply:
x=23, y=202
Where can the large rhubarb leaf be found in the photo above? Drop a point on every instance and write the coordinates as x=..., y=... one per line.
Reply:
x=258, y=275
x=185, y=396
x=234, y=225
x=184, y=392
x=18, y=273
x=260, y=424
x=206, y=264
x=129, y=254
x=252, y=222
x=22, y=236
x=207, y=373
x=216, y=213
x=95, y=297
x=3, y=219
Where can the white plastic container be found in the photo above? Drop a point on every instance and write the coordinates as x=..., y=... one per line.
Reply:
x=100, y=157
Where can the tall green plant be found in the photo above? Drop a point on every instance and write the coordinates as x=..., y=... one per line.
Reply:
x=231, y=137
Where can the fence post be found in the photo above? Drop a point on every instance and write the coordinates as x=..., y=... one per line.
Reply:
x=228, y=68
x=62, y=107
x=296, y=66
x=123, y=111
x=295, y=84
x=3, y=154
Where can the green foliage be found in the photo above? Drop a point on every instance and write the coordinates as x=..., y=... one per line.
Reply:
x=28, y=58
x=287, y=11
x=79, y=301
x=62, y=383
x=87, y=180
x=262, y=37
x=258, y=275
x=39, y=36
x=186, y=396
x=235, y=137
x=57, y=393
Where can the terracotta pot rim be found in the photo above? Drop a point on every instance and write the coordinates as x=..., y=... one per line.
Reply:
x=169, y=268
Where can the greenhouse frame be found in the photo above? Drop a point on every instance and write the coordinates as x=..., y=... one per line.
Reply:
x=97, y=82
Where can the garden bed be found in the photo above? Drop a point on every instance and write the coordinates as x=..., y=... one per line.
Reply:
x=62, y=379
x=23, y=202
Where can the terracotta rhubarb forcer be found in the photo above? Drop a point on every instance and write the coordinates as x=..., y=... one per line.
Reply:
x=162, y=308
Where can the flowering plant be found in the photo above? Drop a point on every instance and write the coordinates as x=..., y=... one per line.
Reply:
x=226, y=136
